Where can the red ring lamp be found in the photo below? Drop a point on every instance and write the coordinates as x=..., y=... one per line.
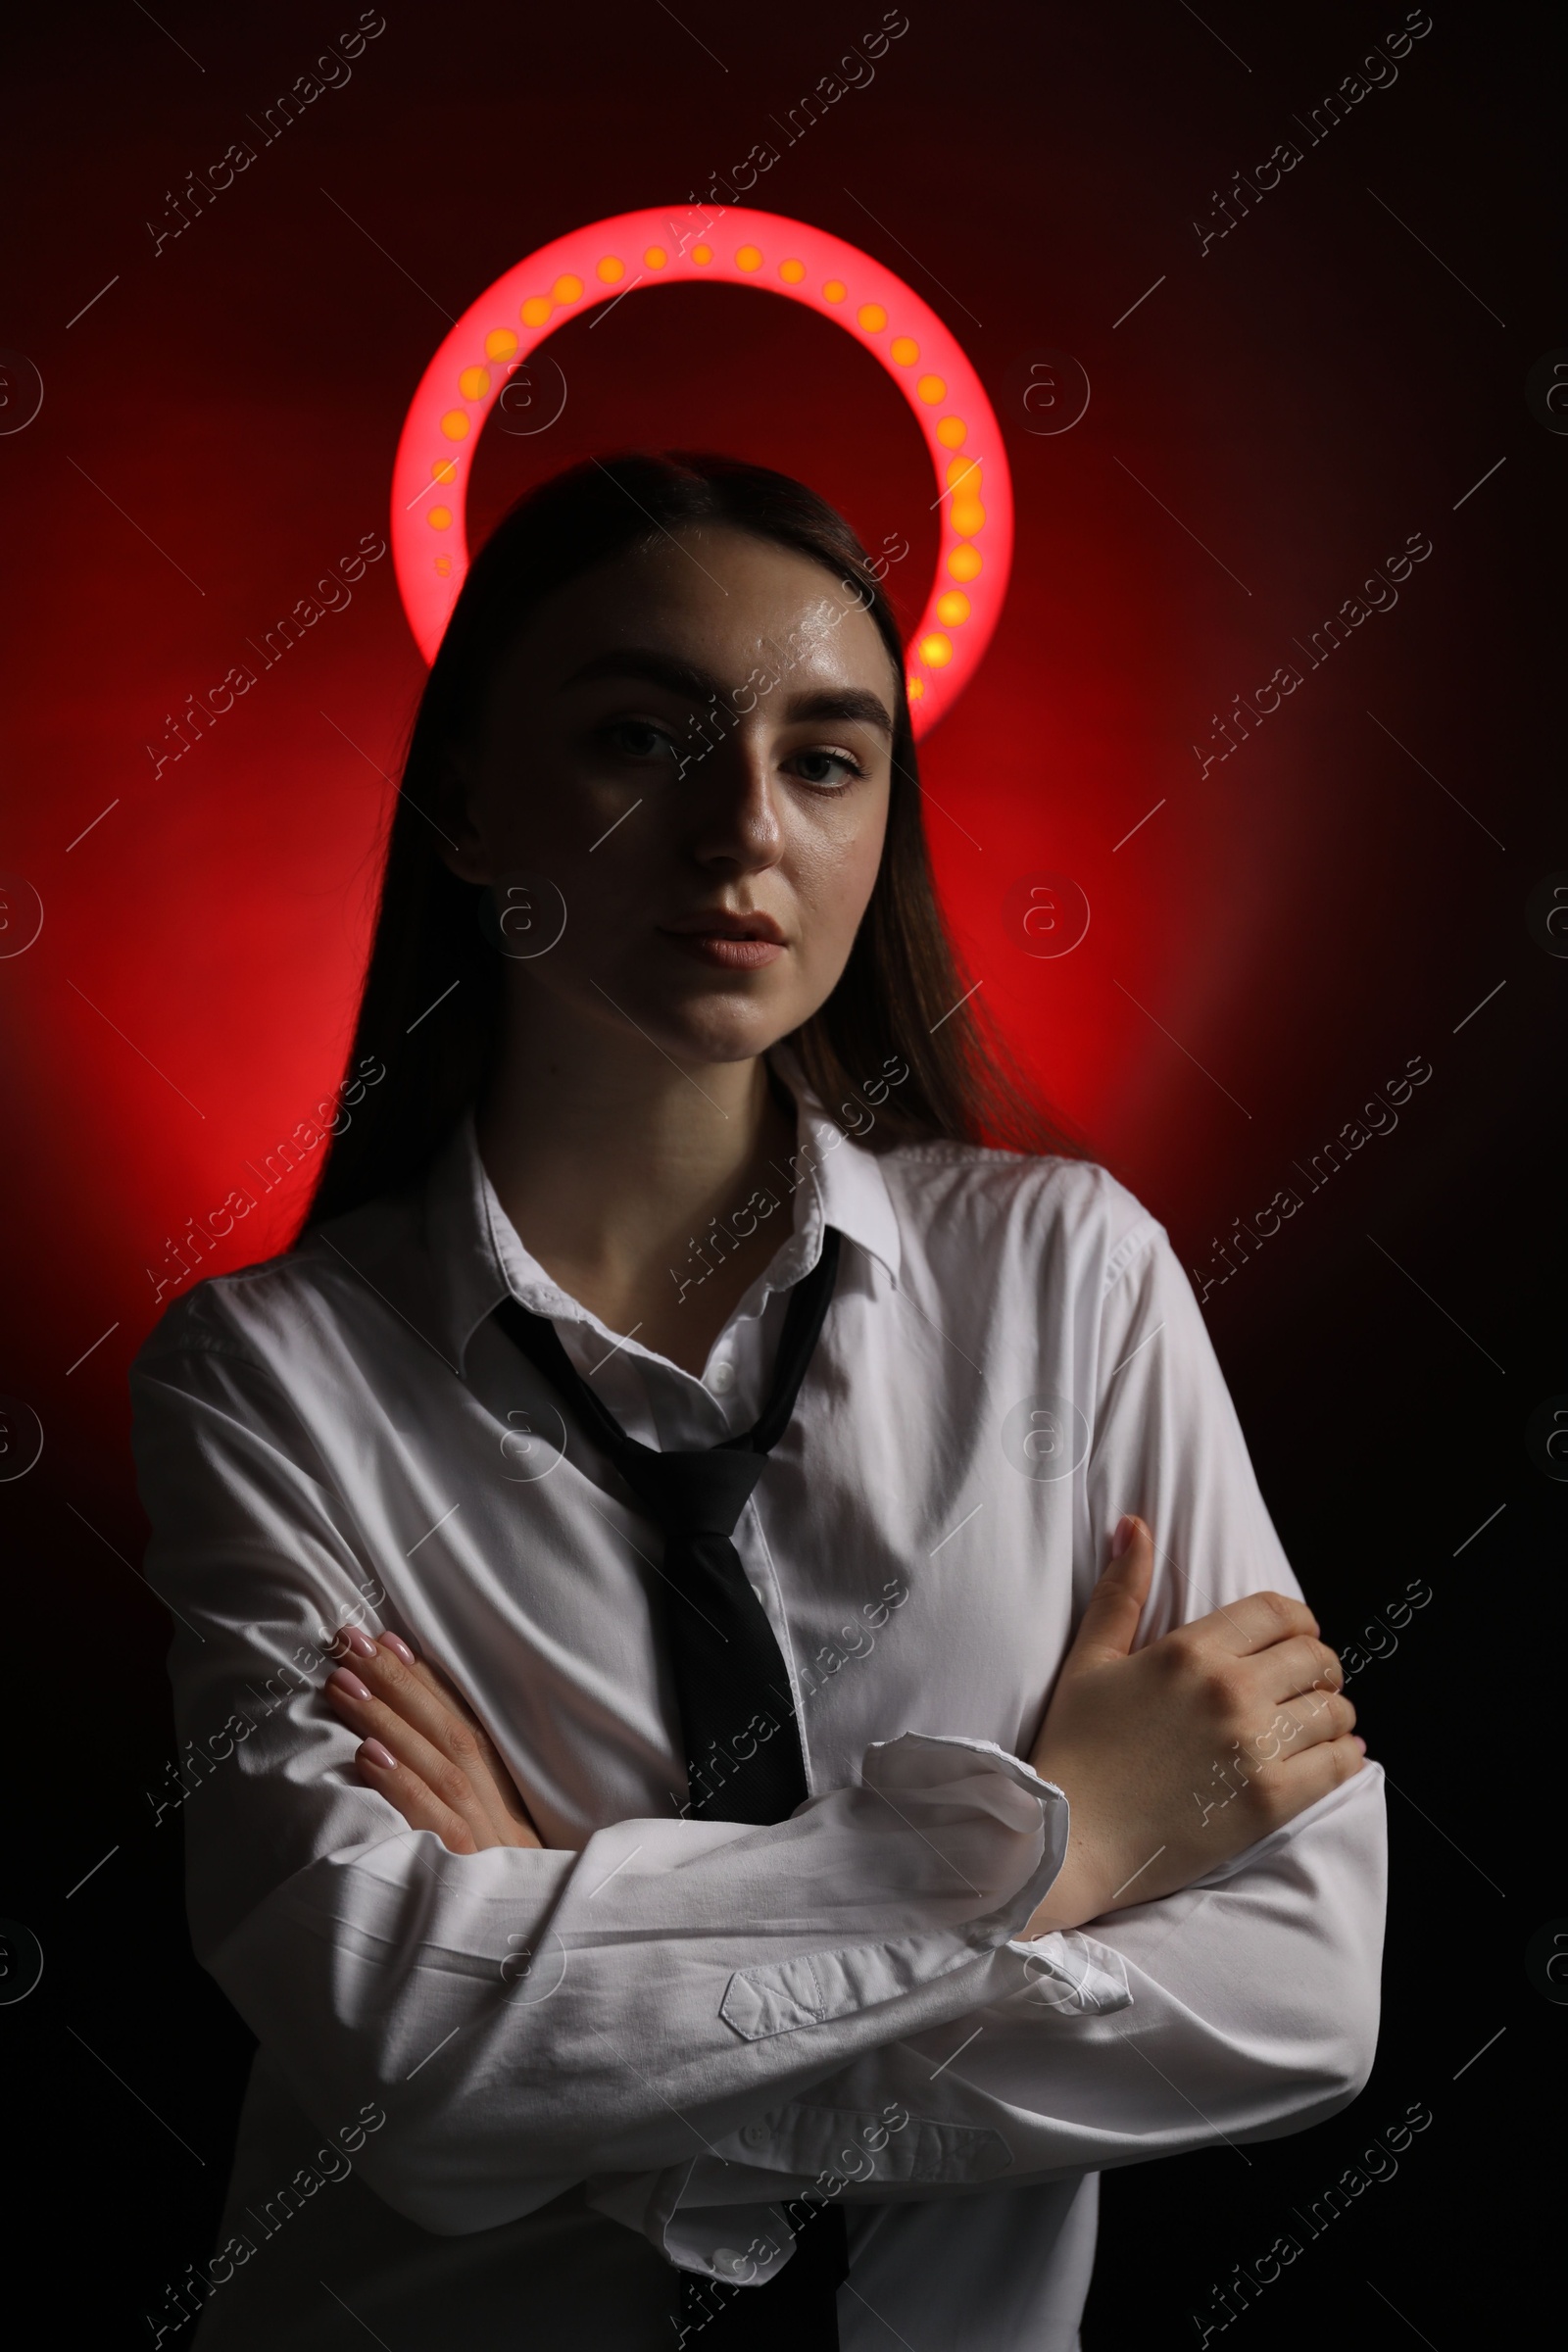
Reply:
x=739, y=248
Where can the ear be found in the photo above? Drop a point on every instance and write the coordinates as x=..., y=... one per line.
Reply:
x=462, y=847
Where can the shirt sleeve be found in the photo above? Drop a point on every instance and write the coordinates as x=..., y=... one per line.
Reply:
x=1241, y=2008
x=525, y=2018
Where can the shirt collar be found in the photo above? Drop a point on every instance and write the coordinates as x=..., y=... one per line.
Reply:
x=478, y=1258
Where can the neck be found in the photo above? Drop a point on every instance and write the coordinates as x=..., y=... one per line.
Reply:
x=608, y=1158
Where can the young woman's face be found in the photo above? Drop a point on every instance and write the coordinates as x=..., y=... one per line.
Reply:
x=597, y=773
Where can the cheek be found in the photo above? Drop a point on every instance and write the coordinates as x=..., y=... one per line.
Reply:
x=834, y=875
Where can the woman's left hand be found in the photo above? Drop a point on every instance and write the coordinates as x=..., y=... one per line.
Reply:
x=423, y=1751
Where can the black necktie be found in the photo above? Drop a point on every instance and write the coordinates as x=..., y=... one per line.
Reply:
x=745, y=1757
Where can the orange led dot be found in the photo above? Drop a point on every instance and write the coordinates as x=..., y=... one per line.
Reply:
x=475, y=382
x=445, y=469
x=440, y=519
x=455, y=424
x=952, y=431
x=916, y=689
x=835, y=290
x=702, y=254
x=443, y=565
x=750, y=257
x=501, y=344
x=964, y=563
x=873, y=316
x=791, y=273
x=536, y=310
x=655, y=256
x=965, y=470
x=936, y=651
x=611, y=270
x=569, y=288
x=954, y=608
x=968, y=517
x=905, y=351
x=931, y=388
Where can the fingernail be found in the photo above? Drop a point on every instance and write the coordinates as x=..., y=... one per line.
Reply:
x=348, y=1683
x=379, y=1758
x=1126, y=1528
x=360, y=1642
x=1359, y=1742
x=398, y=1647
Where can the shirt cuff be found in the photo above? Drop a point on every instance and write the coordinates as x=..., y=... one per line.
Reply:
x=929, y=1773
x=1072, y=1973
x=796, y=2148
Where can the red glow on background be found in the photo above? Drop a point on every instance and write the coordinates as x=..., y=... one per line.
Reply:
x=209, y=872
x=219, y=457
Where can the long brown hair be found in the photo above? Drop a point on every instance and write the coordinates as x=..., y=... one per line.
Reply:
x=902, y=995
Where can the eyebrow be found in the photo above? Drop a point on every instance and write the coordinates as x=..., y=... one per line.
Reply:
x=849, y=704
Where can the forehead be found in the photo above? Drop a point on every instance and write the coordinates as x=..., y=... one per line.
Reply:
x=714, y=597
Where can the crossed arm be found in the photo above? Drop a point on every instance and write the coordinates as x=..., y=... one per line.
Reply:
x=1131, y=1737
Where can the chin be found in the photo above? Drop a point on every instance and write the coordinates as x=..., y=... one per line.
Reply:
x=725, y=1041
x=723, y=1027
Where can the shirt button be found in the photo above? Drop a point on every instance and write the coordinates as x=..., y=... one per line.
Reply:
x=755, y=2135
x=721, y=1378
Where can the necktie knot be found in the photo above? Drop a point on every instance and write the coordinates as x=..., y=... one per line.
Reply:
x=694, y=1495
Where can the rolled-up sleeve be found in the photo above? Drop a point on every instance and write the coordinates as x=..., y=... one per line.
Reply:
x=526, y=2018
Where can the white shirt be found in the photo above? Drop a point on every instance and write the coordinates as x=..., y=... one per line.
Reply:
x=682, y=2023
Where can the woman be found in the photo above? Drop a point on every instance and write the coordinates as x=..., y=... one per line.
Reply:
x=624, y=1552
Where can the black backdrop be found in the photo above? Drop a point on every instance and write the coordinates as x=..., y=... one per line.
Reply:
x=1367, y=354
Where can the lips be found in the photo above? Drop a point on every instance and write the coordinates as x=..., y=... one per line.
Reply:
x=727, y=937
x=724, y=922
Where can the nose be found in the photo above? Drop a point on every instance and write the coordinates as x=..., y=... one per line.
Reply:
x=735, y=824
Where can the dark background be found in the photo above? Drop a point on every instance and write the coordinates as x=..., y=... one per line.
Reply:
x=1285, y=933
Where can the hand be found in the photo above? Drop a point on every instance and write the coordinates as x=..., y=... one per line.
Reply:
x=1179, y=1756
x=423, y=1751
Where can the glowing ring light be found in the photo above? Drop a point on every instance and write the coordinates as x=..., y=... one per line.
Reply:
x=737, y=248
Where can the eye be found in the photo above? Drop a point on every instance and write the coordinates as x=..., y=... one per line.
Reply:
x=825, y=769
x=639, y=739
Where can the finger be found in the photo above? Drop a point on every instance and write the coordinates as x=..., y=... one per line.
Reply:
x=461, y=1739
x=502, y=1793
x=434, y=1708
x=1289, y=1787
x=371, y=1718
x=1302, y=1664
x=1257, y=1622
x=412, y=1691
x=1116, y=1603
x=406, y=1790
x=1301, y=1722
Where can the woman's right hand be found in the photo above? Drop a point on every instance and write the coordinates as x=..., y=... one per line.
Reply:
x=423, y=1748
x=1176, y=1757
